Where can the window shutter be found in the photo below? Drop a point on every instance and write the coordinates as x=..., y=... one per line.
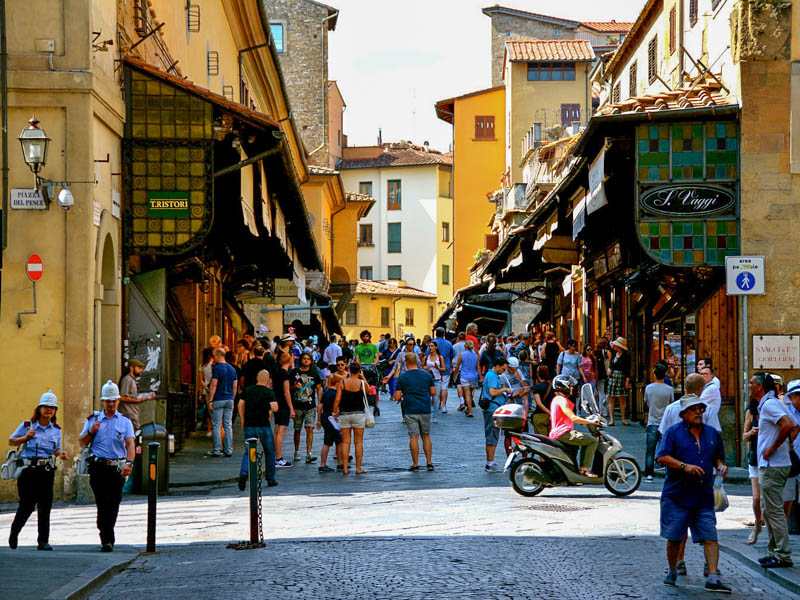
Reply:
x=395, y=236
x=632, y=79
x=616, y=93
x=652, y=59
x=692, y=12
x=672, y=32
x=491, y=241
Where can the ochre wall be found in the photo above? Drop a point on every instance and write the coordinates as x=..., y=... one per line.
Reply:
x=478, y=165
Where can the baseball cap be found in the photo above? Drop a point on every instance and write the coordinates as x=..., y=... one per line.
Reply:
x=513, y=362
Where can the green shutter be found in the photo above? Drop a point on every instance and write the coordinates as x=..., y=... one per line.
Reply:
x=395, y=238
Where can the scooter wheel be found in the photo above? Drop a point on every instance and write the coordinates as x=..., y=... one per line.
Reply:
x=623, y=476
x=524, y=477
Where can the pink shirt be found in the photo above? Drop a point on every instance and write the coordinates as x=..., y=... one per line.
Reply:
x=587, y=369
x=559, y=422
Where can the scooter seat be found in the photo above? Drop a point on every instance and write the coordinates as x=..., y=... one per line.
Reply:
x=550, y=442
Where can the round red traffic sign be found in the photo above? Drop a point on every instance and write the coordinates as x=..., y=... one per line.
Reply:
x=34, y=267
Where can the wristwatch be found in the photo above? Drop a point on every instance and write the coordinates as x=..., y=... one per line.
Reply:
x=683, y=466
x=129, y=463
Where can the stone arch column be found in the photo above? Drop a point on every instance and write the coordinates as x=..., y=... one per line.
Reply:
x=107, y=305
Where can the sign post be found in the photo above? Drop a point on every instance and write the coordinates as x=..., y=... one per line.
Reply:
x=744, y=276
x=34, y=269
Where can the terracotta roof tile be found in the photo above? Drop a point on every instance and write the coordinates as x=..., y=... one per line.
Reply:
x=382, y=288
x=698, y=96
x=608, y=26
x=399, y=154
x=355, y=197
x=549, y=50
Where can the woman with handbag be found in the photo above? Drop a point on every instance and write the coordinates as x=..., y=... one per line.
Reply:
x=434, y=364
x=619, y=383
x=750, y=436
x=350, y=408
x=466, y=370
x=40, y=439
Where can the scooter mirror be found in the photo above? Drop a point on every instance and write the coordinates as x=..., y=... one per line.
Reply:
x=588, y=403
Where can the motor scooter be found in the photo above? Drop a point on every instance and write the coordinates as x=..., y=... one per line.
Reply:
x=536, y=462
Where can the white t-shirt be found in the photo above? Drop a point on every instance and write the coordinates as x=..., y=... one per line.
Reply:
x=711, y=396
x=332, y=352
x=672, y=415
x=770, y=411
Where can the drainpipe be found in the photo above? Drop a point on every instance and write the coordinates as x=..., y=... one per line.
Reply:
x=4, y=104
x=324, y=86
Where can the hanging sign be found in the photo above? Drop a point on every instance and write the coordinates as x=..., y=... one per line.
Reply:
x=168, y=205
x=27, y=199
x=597, y=189
x=687, y=200
x=297, y=313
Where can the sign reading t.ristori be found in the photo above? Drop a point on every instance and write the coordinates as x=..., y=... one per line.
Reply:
x=687, y=200
x=168, y=205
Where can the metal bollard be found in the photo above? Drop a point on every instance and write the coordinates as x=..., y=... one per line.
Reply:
x=252, y=469
x=152, y=493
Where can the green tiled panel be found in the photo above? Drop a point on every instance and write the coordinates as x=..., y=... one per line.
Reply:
x=654, y=159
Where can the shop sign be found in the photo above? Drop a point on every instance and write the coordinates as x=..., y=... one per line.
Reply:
x=116, y=205
x=566, y=285
x=687, y=200
x=27, y=199
x=172, y=205
x=600, y=267
x=297, y=313
x=776, y=352
x=597, y=178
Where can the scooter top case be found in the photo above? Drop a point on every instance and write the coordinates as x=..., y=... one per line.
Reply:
x=510, y=416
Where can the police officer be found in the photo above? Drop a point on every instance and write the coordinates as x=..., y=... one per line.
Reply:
x=40, y=439
x=109, y=434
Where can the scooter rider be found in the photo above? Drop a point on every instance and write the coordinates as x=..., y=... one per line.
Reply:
x=563, y=420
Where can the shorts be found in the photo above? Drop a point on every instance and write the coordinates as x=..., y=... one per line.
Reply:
x=752, y=471
x=675, y=519
x=353, y=420
x=790, y=489
x=490, y=432
x=282, y=417
x=445, y=380
x=305, y=418
x=418, y=424
x=332, y=435
x=463, y=382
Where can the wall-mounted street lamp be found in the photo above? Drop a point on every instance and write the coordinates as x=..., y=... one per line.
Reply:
x=35, y=143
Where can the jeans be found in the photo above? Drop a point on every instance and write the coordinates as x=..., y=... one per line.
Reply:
x=651, y=443
x=602, y=398
x=264, y=434
x=773, y=480
x=221, y=413
x=392, y=386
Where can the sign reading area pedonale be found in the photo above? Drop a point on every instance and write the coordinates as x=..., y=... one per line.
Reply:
x=168, y=205
x=687, y=200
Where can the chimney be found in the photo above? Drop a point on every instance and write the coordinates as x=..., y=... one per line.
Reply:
x=427, y=146
x=380, y=137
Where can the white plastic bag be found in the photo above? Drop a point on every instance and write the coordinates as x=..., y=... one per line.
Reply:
x=720, y=496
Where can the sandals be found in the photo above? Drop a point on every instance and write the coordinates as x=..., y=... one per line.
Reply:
x=430, y=467
x=414, y=469
x=588, y=473
x=754, y=534
x=626, y=422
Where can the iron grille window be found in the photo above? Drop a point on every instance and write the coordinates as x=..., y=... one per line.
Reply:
x=212, y=62
x=692, y=12
x=633, y=74
x=652, y=59
x=193, y=18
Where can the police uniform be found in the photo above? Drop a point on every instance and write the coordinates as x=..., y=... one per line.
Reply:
x=105, y=469
x=35, y=483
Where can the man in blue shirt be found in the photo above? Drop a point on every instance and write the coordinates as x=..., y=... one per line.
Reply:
x=495, y=392
x=691, y=450
x=109, y=434
x=414, y=390
x=221, y=393
x=446, y=351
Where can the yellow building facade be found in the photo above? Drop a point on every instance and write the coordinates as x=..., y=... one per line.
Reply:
x=478, y=162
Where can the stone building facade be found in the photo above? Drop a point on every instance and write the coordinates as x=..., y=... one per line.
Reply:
x=303, y=26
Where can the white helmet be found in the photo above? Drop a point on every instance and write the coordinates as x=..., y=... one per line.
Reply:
x=110, y=391
x=48, y=399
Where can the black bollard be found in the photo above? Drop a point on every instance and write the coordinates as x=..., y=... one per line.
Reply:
x=152, y=492
x=252, y=469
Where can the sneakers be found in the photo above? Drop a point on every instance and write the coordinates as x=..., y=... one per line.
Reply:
x=44, y=546
x=462, y=407
x=492, y=468
x=434, y=420
x=12, y=541
x=716, y=587
x=272, y=483
x=242, y=482
x=775, y=563
x=310, y=458
x=671, y=578
x=212, y=454
x=107, y=548
x=649, y=479
x=282, y=463
x=296, y=457
x=682, y=567
x=326, y=469
x=444, y=409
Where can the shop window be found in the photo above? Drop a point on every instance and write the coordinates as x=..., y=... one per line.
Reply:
x=409, y=317
x=365, y=188
x=393, y=199
x=365, y=234
x=384, y=316
x=395, y=238
x=365, y=273
x=351, y=314
x=484, y=127
x=394, y=272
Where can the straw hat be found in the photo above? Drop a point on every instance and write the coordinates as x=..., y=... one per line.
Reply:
x=620, y=342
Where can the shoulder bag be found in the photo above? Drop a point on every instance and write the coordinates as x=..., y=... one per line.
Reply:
x=13, y=466
x=794, y=470
x=369, y=422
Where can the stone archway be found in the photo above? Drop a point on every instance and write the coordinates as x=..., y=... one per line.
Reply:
x=107, y=301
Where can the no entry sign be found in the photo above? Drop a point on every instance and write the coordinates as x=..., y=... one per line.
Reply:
x=33, y=267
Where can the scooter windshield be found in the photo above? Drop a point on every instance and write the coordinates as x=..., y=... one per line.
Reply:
x=588, y=402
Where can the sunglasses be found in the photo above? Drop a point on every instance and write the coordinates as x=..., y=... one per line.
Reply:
x=698, y=407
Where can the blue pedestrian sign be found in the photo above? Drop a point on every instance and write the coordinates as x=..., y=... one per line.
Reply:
x=744, y=275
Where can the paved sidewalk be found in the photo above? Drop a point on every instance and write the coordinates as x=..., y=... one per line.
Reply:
x=66, y=573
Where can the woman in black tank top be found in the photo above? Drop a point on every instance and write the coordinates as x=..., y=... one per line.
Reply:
x=349, y=408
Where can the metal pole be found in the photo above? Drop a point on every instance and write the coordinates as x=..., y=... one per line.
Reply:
x=152, y=493
x=252, y=469
x=745, y=354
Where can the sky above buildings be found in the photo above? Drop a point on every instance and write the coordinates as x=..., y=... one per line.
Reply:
x=394, y=60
